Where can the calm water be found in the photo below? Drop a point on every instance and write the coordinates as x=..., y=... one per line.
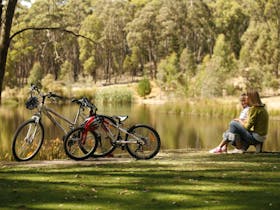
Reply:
x=177, y=131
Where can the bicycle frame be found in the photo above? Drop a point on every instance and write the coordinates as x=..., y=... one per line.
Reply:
x=117, y=126
x=50, y=112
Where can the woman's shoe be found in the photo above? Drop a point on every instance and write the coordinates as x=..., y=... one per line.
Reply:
x=236, y=151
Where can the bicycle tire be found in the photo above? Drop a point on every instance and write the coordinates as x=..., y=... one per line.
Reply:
x=105, y=143
x=25, y=148
x=149, y=148
x=75, y=149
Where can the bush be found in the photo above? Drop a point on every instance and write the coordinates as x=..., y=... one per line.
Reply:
x=50, y=85
x=36, y=74
x=114, y=95
x=144, y=87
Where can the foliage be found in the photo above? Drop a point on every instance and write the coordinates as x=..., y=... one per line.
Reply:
x=231, y=20
x=144, y=87
x=50, y=85
x=36, y=74
x=169, y=73
x=66, y=72
x=132, y=38
x=214, y=71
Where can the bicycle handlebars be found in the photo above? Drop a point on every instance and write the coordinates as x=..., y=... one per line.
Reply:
x=84, y=102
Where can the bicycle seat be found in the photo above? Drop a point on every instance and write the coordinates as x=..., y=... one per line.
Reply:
x=121, y=118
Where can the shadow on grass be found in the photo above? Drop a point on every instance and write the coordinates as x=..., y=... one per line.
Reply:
x=195, y=181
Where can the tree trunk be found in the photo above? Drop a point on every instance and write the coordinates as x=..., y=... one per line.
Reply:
x=5, y=39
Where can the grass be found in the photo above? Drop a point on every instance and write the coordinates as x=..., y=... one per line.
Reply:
x=172, y=180
x=113, y=95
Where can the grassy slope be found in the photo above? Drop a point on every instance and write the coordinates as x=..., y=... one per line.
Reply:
x=172, y=180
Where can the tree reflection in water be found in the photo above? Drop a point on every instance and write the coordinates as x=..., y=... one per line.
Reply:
x=178, y=129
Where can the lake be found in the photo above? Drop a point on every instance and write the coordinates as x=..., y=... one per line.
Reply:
x=177, y=130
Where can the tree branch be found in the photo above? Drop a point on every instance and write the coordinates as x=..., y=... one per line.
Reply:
x=53, y=29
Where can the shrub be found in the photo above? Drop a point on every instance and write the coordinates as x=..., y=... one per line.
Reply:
x=114, y=95
x=144, y=87
x=36, y=74
x=50, y=85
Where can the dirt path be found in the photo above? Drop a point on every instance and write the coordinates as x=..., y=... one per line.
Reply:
x=167, y=154
x=89, y=162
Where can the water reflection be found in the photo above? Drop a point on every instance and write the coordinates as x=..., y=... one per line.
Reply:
x=177, y=130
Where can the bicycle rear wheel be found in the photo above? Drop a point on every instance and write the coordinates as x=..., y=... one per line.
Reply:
x=106, y=134
x=145, y=142
x=27, y=140
x=78, y=148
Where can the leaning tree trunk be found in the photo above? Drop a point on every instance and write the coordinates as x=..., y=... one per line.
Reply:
x=5, y=39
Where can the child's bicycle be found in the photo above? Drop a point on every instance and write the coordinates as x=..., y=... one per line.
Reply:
x=29, y=136
x=141, y=141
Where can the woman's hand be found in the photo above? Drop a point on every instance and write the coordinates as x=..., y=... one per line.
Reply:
x=240, y=121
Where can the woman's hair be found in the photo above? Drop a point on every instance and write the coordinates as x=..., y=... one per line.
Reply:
x=254, y=98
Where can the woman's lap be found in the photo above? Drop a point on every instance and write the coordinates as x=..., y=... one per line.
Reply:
x=245, y=136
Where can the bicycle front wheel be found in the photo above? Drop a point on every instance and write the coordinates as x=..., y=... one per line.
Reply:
x=27, y=140
x=78, y=148
x=143, y=142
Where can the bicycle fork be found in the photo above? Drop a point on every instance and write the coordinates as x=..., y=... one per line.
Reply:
x=32, y=130
x=31, y=133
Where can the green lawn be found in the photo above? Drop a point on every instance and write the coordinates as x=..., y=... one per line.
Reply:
x=172, y=180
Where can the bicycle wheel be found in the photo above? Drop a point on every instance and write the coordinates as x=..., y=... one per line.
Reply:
x=27, y=140
x=106, y=135
x=78, y=149
x=145, y=142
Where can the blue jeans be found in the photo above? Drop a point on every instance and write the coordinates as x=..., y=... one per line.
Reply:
x=246, y=137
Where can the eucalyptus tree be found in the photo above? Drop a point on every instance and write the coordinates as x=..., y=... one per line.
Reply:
x=231, y=20
x=21, y=53
x=186, y=25
x=47, y=36
x=74, y=13
x=6, y=16
x=90, y=53
x=144, y=33
x=201, y=30
x=106, y=25
x=173, y=21
x=260, y=54
x=216, y=70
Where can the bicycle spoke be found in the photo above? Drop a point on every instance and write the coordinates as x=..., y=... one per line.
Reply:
x=78, y=148
x=27, y=140
x=148, y=142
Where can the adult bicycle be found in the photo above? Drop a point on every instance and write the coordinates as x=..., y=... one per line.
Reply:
x=29, y=136
x=141, y=141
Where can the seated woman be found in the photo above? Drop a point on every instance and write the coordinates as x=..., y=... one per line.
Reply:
x=229, y=137
x=253, y=131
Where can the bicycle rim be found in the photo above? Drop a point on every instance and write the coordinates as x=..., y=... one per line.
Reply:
x=78, y=149
x=149, y=145
x=28, y=140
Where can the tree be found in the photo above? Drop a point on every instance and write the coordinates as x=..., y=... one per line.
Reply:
x=231, y=20
x=106, y=25
x=66, y=72
x=6, y=25
x=144, y=32
x=169, y=72
x=215, y=71
x=36, y=74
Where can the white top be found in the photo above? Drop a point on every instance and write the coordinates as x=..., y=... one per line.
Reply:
x=244, y=113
